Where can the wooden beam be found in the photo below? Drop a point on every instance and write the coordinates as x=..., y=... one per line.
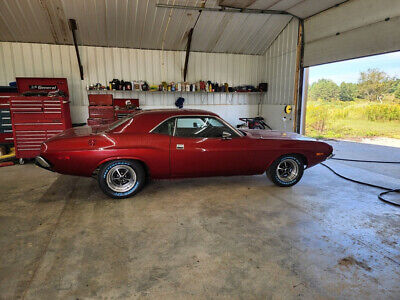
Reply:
x=187, y=53
x=74, y=27
x=298, y=84
x=229, y=9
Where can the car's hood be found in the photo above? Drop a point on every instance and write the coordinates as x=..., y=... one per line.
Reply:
x=274, y=135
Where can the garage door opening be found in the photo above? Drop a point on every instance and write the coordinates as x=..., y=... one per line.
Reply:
x=357, y=100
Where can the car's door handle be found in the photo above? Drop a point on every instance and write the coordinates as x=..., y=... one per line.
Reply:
x=180, y=146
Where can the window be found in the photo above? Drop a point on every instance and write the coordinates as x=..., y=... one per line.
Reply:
x=201, y=127
x=118, y=123
x=166, y=127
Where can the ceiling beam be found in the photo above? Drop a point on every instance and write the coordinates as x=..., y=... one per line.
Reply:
x=229, y=10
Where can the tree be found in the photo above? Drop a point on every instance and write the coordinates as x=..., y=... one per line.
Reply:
x=393, y=85
x=373, y=84
x=324, y=89
x=348, y=91
x=397, y=92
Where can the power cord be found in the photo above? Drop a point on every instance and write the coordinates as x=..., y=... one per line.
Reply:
x=380, y=196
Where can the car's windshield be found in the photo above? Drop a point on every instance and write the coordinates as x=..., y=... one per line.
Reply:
x=114, y=125
x=244, y=133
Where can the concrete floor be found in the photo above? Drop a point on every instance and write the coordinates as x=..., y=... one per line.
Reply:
x=237, y=237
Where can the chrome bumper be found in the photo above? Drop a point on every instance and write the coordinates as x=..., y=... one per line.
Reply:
x=41, y=162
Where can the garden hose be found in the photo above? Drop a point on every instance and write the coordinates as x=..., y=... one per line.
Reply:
x=367, y=161
x=380, y=196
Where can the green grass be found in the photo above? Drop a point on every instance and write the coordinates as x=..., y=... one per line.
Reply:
x=355, y=119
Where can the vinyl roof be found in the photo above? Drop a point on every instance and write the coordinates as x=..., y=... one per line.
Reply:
x=140, y=24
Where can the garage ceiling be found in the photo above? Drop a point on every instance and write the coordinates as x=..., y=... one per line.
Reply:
x=140, y=24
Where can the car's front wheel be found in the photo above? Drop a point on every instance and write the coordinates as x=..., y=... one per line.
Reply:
x=286, y=171
x=121, y=178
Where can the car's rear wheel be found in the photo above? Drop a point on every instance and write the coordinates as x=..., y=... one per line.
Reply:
x=121, y=178
x=286, y=171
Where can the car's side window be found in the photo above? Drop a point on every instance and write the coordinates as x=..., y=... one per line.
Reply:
x=166, y=127
x=201, y=127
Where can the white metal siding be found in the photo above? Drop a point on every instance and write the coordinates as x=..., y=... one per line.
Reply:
x=279, y=71
x=280, y=62
x=103, y=64
x=354, y=29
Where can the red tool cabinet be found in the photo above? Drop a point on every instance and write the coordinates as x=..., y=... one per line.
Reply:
x=37, y=118
x=100, y=99
x=121, y=111
x=104, y=112
x=6, y=136
x=121, y=102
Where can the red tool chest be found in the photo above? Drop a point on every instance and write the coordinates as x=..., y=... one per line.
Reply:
x=37, y=118
x=6, y=136
x=101, y=109
x=101, y=99
x=99, y=121
x=121, y=111
x=104, y=112
x=121, y=102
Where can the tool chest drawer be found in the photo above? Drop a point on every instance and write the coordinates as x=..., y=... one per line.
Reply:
x=36, y=119
x=105, y=112
x=99, y=121
x=28, y=142
x=100, y=99
x=5, y=121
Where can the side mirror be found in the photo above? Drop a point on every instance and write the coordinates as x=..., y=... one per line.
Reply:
x=226, y=135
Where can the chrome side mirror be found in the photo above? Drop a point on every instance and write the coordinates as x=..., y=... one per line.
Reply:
x=226, y=135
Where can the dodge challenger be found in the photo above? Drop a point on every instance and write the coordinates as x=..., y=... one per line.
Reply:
x=174, y=143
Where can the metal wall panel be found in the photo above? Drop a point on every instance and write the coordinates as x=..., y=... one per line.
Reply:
x=103, y=64
x=354, y=29
x=280, y=62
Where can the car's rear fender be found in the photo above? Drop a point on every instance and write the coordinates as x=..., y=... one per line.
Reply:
x=145, y=165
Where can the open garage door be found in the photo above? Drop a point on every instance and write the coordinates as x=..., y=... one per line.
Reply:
x=356, y=28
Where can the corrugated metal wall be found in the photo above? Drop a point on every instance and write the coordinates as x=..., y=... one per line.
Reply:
x=102, y=64
x=280, y=70
x=280, y=62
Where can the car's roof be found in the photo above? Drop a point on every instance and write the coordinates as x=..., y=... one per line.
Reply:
x=176, y=112
x=145, y=120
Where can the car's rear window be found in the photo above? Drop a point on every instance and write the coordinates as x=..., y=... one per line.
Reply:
x=118, y=123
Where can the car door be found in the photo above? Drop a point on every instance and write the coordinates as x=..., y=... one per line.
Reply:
x=198, y=148
x=158, y=149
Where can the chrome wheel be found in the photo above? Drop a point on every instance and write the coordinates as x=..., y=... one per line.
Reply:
x=287, y=170
x=121, y=178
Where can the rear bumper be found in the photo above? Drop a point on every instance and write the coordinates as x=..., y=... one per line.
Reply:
x=41, y=162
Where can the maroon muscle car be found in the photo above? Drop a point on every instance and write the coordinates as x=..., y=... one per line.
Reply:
x=176, y=144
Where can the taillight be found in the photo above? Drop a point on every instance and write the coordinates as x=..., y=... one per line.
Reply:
x=43, y=148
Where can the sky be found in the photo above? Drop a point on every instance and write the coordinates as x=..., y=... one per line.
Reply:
x=349, y=70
